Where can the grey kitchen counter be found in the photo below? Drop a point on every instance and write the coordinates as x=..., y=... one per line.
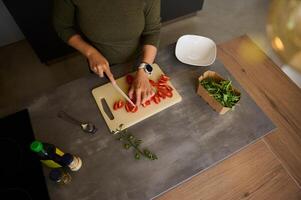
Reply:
x=187, y=137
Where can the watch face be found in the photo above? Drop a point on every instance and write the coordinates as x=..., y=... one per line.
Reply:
x=149, y=68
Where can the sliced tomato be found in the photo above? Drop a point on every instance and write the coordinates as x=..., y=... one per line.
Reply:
x=162, y=87
x=164, y=77
x=148, y=102
x=115, y=107
x=161, y=94
x=153, y=83
x=168, y=94
x=169, y=88
x=156, y=99
x=134, y=109
x=161, y=83
x=127, y=108
x=120, y=104
x=129, y=79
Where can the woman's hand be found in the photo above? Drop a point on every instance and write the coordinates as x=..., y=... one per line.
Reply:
x=141, y=88
x=99, y=65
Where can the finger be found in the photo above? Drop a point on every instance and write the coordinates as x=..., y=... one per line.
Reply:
x=144, y=97
x=138, y=97
x=100, y=71
x=110, y=75
x=131, y=92
x=95, y=69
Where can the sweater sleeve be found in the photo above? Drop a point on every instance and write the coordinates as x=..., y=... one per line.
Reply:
x=151, y=32
x=63, y=18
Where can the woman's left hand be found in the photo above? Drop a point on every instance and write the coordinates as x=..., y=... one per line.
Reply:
x=141, y=88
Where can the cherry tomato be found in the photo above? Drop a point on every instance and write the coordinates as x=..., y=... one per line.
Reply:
x=153, y=83
x=129, y=79
x=164, y=77
x=120, y=104
x=134, y=109
x=161, y=83
x=115, y=107
x=127, y=108
x=161, y=94
x=169, y=88
x=156, y=99
x=162, y=87
x=168, y=94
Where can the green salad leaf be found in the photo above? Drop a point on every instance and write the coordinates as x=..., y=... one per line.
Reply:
x=222, y=91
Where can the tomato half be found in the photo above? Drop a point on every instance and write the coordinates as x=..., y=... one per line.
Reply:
x=164, y=77
x=156, y=99
x=161, y=94
x=115, y=107
x=153, y=83
x=134, y=109
x=127, y=108
x=168, y=94
x=120, y=104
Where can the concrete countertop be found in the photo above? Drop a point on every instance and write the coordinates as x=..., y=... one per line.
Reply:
x=187, y=138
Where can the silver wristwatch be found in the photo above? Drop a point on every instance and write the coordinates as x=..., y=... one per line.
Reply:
x=147, y=68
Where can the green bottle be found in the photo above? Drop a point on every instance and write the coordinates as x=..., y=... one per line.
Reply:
x=49, y=154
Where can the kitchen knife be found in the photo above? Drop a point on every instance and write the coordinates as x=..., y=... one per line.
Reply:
x=122, y=93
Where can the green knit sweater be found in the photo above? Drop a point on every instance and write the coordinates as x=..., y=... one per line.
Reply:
x=117, y=28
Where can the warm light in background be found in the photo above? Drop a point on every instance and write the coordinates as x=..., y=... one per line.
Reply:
x=277, y=44
x=284, y=30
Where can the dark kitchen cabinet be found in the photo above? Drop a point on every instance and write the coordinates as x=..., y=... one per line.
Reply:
x=34, y=19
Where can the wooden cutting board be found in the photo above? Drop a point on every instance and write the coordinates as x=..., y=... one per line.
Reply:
x=121, y=116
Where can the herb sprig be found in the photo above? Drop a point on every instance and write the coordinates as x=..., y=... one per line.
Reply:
x=130, y=141
x=222, y=91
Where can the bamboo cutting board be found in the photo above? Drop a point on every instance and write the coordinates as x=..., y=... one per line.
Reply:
x=121, y=116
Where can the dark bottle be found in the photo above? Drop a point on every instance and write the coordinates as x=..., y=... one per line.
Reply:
x=49, y=154
x=60, y=176
x=74, y=163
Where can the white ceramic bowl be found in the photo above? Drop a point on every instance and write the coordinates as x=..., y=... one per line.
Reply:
x=196, y=50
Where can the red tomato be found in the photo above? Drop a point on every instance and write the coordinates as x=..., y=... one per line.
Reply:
x=161, y=83
x=164, y=77
x=162, y=87
x=147, y=102
x=153, y=83
x=169, y=88
x=115, y=107
x=156, y=99
x=161, y=94
x=129, y=79
x=168, y=94
x=134, y=109
x=127, y=108
x=120, y=104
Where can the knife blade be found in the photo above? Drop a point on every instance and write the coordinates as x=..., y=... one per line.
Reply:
x=122, y=93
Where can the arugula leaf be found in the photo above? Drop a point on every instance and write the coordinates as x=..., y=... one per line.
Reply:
x=222, y=91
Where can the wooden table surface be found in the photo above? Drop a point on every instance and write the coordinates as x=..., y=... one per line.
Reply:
x=270, y=168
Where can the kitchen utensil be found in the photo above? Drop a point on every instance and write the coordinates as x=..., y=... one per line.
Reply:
x=87, y=127
x=195, y=50
x=122, y=93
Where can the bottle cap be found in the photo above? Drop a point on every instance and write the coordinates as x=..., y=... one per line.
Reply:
x=67, y=159
x=55, y=175
x=36, y=146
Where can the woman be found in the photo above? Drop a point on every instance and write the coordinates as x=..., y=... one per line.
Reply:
x=109, y=32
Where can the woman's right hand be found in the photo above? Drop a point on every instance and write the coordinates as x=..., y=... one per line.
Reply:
x=100, y=65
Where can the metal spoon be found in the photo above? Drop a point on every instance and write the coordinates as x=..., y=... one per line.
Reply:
x=87, y=127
